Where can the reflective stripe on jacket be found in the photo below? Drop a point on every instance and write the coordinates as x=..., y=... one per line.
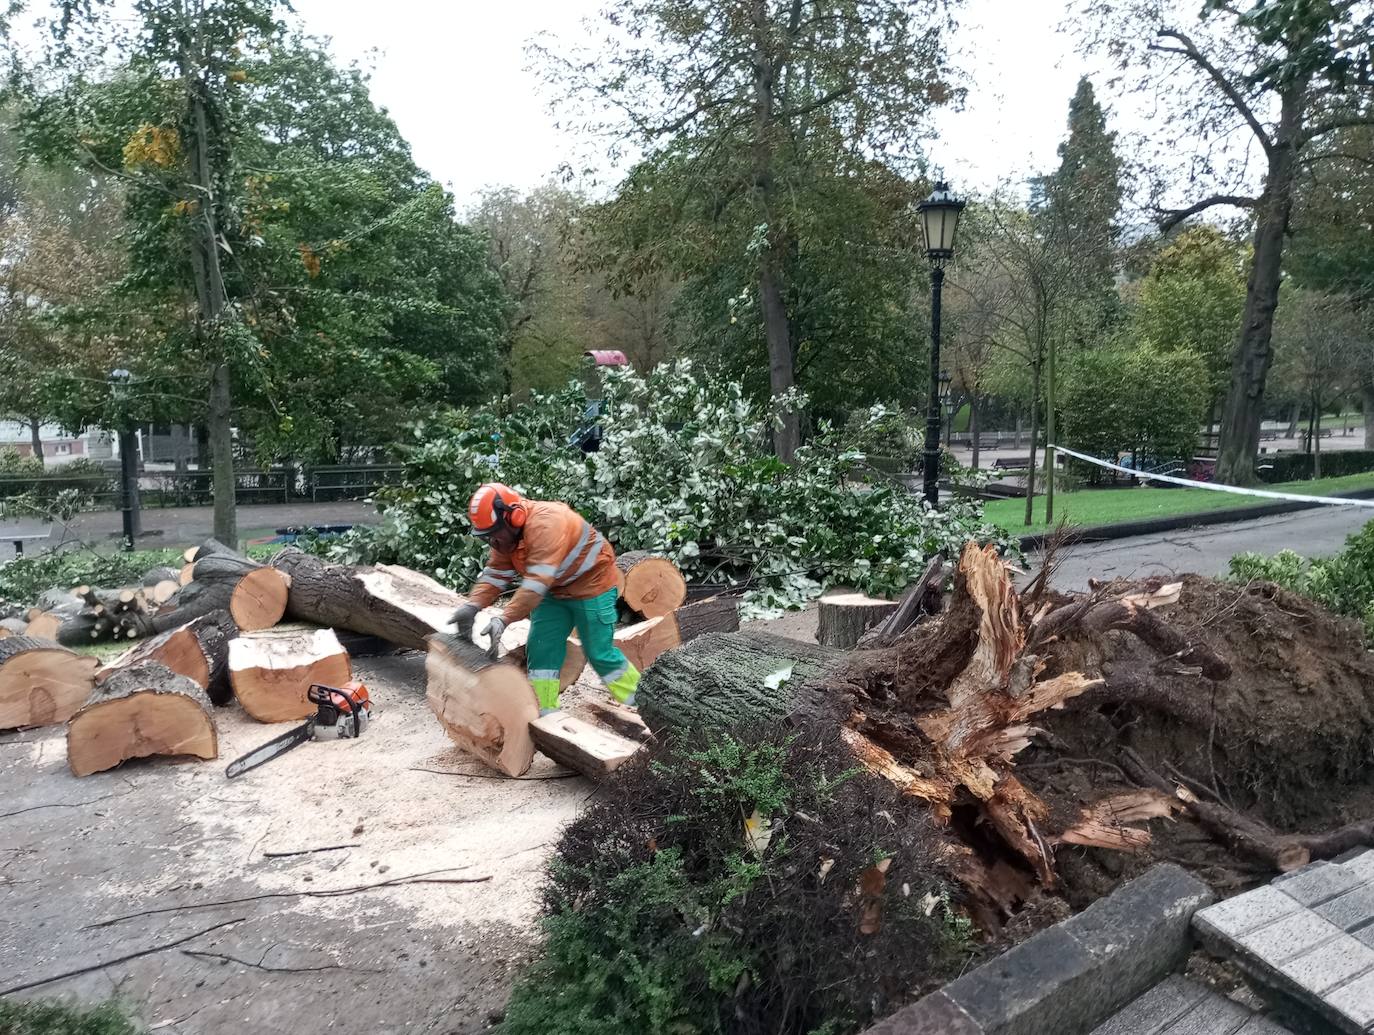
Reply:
x=559, y=553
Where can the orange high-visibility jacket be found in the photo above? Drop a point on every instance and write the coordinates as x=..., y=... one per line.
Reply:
x=559, y=553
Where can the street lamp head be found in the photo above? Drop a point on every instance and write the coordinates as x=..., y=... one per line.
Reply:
x=939, y=222
x=120, y=376
x=945, y=381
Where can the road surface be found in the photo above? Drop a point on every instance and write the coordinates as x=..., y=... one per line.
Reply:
x=1208, y=550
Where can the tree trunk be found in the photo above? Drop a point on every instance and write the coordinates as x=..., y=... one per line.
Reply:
x=41, y=684
x=1244, y=410
x=1367, y=400
x=220, y=419
x=973, y=429
x=844, y=617
x=392, y=603
x=138, y=712
x=1316, y=434
x=1049, y=436
x=485, y=706
x=36, y=438
x=714, y=614
x=653, y=586
x=272, y=669
x=198, y=650
x=590, y=750
x=1034, y=431
x=776, y=325
x=721, y=680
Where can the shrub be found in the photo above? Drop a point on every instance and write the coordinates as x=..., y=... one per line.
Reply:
x=22, y=579
x=1344, y=583
x=665, y=913
x=684, y=470
x=1292, y=467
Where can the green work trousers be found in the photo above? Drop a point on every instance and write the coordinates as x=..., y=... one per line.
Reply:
x=594, y=620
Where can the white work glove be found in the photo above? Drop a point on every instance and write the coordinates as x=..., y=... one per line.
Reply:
x=463, y=619
x=494, y=629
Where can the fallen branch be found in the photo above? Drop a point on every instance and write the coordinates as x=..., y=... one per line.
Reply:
x=121, y=959
x=309, y=851
x=493, y=776
x=418, y=878
x=60, y=805
x=276, y=970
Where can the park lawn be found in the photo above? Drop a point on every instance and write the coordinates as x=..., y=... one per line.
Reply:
x=1092, y=507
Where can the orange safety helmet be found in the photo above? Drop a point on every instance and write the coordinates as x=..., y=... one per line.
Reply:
x=493, y=503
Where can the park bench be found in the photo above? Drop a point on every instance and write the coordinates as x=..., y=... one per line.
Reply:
x=1007, y=463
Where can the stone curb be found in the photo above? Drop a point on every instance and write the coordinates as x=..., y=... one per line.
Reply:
x=1069, y=977
x=1151, y=526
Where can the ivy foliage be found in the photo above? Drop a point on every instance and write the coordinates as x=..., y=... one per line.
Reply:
x=684, y=470
x=1344, y=583
x=749, y=883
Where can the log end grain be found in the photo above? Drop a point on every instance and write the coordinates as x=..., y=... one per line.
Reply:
x=653, y=585
x=259, y=599
x=486, y=709
x=140, y=712
x=271, y=670
x=41, y=683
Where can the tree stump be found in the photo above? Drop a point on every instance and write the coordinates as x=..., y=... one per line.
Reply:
x=844, y=617
x=138, y=712
x=486, y=707
x=41, y=683
x=653, y=585
x=271, y=670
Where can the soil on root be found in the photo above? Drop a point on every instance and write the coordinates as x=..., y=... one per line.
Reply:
x=1285, y=739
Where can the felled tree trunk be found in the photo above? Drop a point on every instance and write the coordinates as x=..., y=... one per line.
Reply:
x=271, y=670
x=714, y=614
x=724, y=680
x=486, y=707
x=844, y=617
x=137, y=712
x=395, y=604
x=222, y=579
x=653, y=585
x=198, y=650
x=41, y=683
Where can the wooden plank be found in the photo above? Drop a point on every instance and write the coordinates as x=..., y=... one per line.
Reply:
x=590, y=750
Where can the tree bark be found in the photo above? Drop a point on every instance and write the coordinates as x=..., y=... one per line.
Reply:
x=36, y=438
x=973, y=429
x=1316, y=434
x=1034, y=431
x=1367, y=400
x=254, y=594
x=843, y=618
x=198, y=650
x=776, y=326
x=41, y=684
x=1244, y=409
x=138, y=712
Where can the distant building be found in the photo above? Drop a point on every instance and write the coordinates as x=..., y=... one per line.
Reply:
x=59, y=445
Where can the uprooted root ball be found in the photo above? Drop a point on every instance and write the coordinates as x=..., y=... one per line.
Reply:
x=755, y=881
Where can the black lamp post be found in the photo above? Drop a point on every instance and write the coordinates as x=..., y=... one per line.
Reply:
x=128, y=458
x=939, y=221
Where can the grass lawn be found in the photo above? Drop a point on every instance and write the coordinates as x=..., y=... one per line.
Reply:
x=1110, y=506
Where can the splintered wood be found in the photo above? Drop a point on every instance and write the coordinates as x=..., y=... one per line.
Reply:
x=588, y=749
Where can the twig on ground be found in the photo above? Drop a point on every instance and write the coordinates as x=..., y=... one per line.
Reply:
x=275, y=970
x=310, y=851
x=122, y=959
x=60, y=805
x=418, y=878
x=493, y=776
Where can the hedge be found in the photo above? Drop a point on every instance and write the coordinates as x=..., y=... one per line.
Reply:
x=1293, y=467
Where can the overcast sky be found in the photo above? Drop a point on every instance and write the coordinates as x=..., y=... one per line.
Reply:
x=455, y=78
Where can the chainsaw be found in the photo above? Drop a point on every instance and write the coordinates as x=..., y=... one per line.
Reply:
x=340, y=713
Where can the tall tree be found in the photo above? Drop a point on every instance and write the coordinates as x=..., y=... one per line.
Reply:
x=1285, y=75
x=737, y=106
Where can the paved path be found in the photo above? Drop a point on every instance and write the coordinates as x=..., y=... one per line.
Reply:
x=187, y=526
x=1178, y=1006
x=1207, y=550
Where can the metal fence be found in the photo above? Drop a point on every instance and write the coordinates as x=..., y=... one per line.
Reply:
x=349, y=483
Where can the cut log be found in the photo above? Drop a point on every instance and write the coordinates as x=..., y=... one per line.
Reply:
x=45, y=626
x=186, y=574
x=920, y=598
x=41, y=683
x=623, y=720
x=271, y=669
x=13, y=627
x=641, y=643
x=138, y=712
x=653, y=585
x=844, y=617
x=161, y=574
x=161, y=592
x=198, y=650
x=253, y=594
x=396, y=604
x=722, y=680
x=590, y=750
x=712, y=615
x=54, y=599
x=486, y=707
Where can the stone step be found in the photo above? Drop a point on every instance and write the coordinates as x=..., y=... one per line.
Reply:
x=1180, y=1006
x=1309, y=935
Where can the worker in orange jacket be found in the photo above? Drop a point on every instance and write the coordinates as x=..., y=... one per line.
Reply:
x=567, y=580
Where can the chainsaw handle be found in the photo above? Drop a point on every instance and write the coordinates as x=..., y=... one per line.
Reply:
x=342, y=700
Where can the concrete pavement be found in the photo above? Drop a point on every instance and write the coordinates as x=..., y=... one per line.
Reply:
x=1208, y=550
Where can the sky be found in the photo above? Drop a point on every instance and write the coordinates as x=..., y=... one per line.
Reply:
x=456, y=78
